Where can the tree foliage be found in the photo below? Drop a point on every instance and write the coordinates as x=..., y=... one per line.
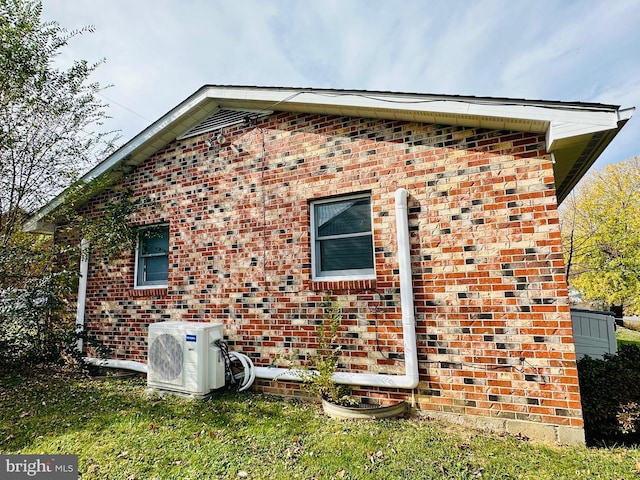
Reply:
x=50, y=131
x=49, y=116
x=601, y=233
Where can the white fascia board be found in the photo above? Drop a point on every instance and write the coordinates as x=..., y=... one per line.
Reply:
x=149, y=134
x=563, y=121
x=565, y=130
x=479, y=107
x=625, y=114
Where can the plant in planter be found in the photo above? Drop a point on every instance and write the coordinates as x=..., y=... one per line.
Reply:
x=317, y=375
x=317, y=378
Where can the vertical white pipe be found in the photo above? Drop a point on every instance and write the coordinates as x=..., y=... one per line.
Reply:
x=82, y=289
x=406, y=286
x=411, y=377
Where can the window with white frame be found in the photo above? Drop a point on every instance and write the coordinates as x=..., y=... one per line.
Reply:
x=342, y=238
x=152, y=257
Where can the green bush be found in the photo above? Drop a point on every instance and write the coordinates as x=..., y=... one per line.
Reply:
x=37, y=325
x=610, y=390
x=34, y=325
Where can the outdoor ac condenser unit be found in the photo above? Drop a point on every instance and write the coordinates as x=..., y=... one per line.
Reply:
x=183, y=357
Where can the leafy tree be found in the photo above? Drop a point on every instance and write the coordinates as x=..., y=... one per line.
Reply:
x=50, y=131
x=601, y=233
x=49, y=116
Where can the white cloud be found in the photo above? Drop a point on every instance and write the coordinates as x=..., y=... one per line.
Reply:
x=160, y=51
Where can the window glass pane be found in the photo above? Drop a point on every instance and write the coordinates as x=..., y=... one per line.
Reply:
x=155, y=241
x=153, y=256
x=340, y=218
x=156, y=268
x=346, y=253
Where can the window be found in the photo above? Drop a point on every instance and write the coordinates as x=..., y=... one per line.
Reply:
x=342, y=238
x=152, y=258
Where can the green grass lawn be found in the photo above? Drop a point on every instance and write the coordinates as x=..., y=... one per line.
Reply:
x=121, y=433
x=627, y=336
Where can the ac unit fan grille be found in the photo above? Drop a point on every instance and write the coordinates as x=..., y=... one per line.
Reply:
x=165, y=357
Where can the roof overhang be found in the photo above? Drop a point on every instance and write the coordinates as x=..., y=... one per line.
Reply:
x=576, y=133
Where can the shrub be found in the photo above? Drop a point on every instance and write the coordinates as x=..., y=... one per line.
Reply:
x=610, y=390
x=317, y=375
x=34, y=322
x=39, y=279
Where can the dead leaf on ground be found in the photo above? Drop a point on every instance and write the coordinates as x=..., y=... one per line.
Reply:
x=376, y=457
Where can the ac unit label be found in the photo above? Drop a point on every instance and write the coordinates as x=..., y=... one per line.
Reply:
x=191, y=338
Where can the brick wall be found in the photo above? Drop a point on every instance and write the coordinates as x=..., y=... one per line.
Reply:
x=492, y=313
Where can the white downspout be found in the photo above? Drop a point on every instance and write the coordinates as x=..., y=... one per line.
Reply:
x=82, y=289
x=411, y=376
x=82, y=301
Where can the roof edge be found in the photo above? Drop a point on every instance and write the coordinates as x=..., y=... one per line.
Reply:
x=570, y=117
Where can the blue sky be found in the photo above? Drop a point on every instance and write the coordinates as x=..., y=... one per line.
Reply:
x=158, y=52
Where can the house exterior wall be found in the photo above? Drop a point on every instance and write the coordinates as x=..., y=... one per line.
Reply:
x=491, y=304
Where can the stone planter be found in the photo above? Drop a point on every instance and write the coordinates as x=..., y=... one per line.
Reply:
x=370, y=412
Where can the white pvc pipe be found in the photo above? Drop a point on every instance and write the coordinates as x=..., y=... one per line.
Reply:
x=113, y=363
x=411, y=377
x=82, y=290
x=406, y=288
x=82, y=301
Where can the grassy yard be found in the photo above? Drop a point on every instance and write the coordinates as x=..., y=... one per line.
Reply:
x=120, y=433
x=627, y=336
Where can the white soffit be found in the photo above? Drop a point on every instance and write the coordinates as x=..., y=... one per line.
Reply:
x=558, y=120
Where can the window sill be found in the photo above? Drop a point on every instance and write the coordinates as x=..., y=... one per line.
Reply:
x=149, y=292
x=343, y=285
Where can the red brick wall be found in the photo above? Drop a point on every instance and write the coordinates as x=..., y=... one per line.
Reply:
x=492, y=313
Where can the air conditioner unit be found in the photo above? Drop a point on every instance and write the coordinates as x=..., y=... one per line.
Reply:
x=183, y=357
